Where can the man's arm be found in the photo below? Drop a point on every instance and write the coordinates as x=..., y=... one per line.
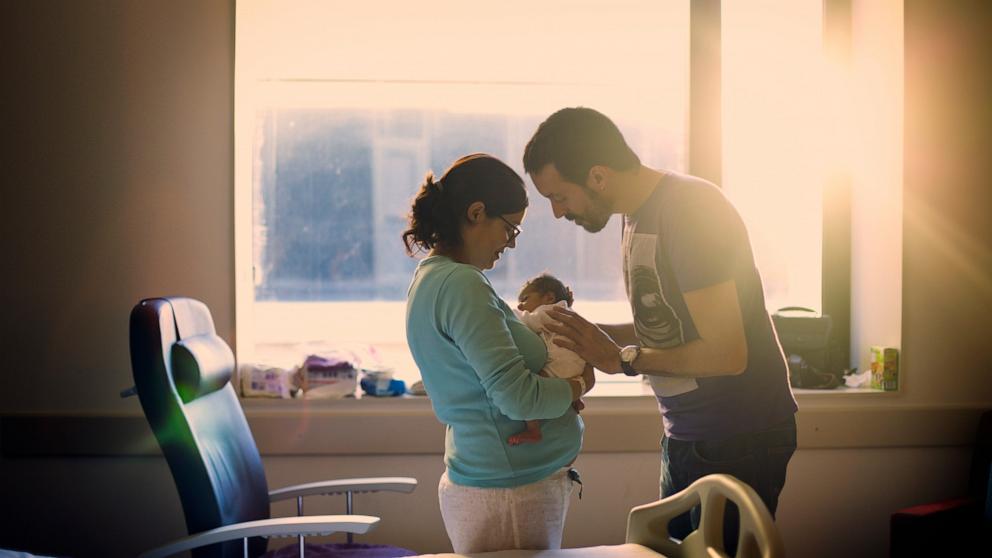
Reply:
x=622, y=334
x=721, y=349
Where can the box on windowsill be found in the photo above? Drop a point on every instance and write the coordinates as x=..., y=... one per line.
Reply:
x=884, y=363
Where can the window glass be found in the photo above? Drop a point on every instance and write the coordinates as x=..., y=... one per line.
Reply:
x=776, y=147
x=343, y=108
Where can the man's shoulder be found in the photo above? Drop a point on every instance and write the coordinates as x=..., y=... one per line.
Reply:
x=676, y=195
x=678, y=190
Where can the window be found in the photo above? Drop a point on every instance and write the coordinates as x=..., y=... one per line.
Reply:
x=774, y=156
x=343, y=108
x=812, y=156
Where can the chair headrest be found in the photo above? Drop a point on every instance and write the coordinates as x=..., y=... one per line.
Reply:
x=201, y=364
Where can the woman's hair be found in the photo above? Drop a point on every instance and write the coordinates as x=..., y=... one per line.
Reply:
x=576, y=139
x=440, y=205
x=547, y=283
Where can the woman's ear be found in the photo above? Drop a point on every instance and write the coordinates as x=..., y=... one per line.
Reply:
x=476, y=212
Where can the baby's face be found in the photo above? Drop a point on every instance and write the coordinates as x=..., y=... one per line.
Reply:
x=529, y=300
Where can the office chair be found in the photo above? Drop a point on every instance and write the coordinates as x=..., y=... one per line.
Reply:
x=182, y=373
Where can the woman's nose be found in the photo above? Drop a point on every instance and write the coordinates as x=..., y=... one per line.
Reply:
x=558, y=210
x=512, y=243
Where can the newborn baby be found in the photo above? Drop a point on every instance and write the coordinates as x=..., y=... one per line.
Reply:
x=535, y=299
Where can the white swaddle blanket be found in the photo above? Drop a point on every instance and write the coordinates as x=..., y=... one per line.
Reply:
x=562, y=362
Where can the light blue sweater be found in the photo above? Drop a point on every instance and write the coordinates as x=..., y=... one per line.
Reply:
x=479, y=365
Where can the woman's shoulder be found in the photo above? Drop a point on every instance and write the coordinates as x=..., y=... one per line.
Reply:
x=464, y=274
x=451, y=276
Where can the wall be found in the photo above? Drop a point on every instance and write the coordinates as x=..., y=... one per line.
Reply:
x=947, y=262
x=120, y=186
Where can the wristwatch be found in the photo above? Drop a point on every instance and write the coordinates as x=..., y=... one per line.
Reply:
x=628, y=355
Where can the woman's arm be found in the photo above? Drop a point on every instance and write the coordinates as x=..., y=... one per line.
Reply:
x=470, y=315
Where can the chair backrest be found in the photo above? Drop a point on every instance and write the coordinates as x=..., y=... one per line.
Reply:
x=182, y=373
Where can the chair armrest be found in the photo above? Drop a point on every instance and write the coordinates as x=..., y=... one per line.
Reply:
x=277, y=527
x=343, y=486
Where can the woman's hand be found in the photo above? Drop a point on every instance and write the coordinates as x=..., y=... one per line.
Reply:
x=578, y=405
x=586, y=339
x=589, y=377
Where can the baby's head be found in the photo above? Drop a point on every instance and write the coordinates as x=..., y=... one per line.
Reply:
x=541, y=290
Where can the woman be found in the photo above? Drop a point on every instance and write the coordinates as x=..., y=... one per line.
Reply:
x=479, y=365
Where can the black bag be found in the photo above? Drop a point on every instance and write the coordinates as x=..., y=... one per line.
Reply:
x=805, y=338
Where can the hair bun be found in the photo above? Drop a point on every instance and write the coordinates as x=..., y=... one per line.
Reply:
x=439, y=207
x=434, y=184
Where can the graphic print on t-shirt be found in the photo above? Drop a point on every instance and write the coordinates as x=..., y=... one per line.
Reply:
x=656, y=323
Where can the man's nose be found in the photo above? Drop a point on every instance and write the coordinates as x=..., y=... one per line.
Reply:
x=520, y=307
x=558, y=210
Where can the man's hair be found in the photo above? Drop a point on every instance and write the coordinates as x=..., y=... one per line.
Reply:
x=575, y=140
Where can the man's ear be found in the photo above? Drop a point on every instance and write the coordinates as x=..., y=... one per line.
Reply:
x=476, y=212
x=598, y=177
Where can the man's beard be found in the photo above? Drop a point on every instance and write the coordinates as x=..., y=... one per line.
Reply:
x=597, y=216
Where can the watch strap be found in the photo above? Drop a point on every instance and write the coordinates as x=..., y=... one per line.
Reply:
x=628, y=368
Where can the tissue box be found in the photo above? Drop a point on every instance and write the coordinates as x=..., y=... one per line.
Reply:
x=884, y=363
x=260, y=380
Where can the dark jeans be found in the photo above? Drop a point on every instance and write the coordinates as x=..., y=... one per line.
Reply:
x=760, y=459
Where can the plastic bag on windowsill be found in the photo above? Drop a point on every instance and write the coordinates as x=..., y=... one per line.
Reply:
x=858, y=380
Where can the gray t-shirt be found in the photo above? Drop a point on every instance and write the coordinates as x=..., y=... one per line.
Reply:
x=688, y=236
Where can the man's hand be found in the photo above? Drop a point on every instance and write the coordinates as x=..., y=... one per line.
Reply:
x=587, y=340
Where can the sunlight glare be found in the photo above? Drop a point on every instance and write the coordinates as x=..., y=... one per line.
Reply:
x=774, y=141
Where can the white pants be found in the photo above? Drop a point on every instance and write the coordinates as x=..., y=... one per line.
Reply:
x=531, y=516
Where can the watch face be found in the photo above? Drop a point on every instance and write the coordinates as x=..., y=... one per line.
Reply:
x=628, y=353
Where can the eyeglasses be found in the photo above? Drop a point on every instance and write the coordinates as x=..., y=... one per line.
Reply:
x=514, y=230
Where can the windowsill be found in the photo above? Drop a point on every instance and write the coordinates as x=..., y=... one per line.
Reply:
x=395, y=355
x=603, y=392
x=604, y=389
x=841, y=390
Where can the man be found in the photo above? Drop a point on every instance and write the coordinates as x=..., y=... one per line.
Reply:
x=701, y=332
